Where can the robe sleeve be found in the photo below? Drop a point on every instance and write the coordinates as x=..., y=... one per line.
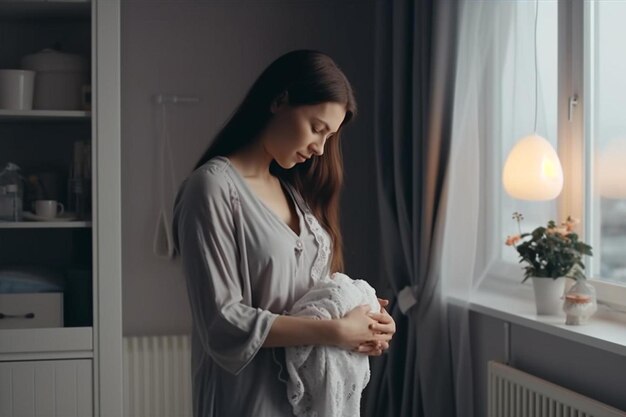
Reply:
x=230, y=331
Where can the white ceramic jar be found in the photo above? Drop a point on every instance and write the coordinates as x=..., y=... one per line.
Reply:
x=59, y=81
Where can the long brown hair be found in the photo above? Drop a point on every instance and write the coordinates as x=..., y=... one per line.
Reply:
x=307, y=77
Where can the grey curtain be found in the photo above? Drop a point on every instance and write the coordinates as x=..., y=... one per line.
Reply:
x=415, y=50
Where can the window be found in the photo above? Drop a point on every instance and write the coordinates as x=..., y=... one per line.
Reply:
x=581, y=84
x=605, y=135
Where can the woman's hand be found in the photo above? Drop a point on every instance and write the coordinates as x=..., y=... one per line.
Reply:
x=358, y=328
x=384, y=325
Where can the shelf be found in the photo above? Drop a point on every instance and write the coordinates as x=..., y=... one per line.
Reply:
x=44, y=225
x=30, y=9
x=43, y=115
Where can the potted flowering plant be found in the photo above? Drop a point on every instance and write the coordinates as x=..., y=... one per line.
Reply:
x=551, y=254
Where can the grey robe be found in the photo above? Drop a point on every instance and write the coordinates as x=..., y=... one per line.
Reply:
x=243, y=266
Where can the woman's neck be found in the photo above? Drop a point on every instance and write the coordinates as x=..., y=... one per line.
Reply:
x=253, y=162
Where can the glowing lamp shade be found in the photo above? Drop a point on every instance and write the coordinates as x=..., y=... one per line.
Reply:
x=532, y=170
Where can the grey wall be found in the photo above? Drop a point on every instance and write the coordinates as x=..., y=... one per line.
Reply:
x=215, y=49
x=595, y=373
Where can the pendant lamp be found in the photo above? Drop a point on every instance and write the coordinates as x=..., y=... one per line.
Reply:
x=532, y=170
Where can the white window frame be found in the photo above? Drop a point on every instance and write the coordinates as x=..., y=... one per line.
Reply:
x=573, y=149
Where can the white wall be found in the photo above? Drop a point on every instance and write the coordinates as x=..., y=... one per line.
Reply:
x=215, y=49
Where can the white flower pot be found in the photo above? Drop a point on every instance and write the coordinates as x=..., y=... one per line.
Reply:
x=548, y=295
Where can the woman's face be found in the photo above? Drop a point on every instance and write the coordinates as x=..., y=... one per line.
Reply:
x=296, y=133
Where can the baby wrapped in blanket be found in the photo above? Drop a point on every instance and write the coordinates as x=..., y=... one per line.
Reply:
x=327, y=381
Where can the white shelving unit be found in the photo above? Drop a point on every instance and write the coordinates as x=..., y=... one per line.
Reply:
x=84, y=361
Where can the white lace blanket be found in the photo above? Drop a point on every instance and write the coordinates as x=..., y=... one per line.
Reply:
x=327, y=381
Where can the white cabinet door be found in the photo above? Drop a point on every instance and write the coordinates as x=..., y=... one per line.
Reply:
x=46, y=388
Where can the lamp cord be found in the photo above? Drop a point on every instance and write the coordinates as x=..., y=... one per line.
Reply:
x=536, y=69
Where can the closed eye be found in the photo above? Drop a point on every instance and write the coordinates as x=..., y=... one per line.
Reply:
x=318, y=131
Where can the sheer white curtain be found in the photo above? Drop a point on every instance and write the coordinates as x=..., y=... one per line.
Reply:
x=494, y=107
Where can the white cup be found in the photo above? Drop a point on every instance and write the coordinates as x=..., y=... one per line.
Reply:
x=16, y=89
x=48, y=208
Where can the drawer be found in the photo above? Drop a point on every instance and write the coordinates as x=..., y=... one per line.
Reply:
x=46, y=388
x=31, y=310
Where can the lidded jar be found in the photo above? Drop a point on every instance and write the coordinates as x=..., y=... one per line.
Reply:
x=580, y=303
x=59, y=80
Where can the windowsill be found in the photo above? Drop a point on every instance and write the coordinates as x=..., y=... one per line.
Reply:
x=514, y=303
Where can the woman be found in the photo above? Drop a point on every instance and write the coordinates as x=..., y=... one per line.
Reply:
x=257, y=224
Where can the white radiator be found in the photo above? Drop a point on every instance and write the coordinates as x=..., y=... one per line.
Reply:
x=513, y=393
x=157, y=376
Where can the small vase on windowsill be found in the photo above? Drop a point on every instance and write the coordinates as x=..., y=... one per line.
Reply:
x=548, y=295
